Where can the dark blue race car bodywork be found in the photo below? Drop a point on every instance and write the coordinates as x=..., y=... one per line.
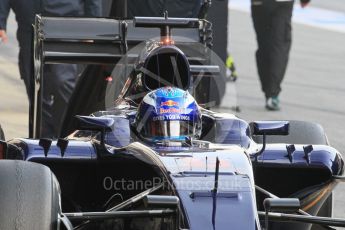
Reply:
x=189, y=171
x=110, y=178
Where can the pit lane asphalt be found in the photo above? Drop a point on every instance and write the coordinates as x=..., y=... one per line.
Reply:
x=313, y=89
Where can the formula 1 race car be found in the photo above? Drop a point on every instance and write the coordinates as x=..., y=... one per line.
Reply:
x=156, y=158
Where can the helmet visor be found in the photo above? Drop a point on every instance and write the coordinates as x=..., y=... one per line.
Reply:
x=175, y=130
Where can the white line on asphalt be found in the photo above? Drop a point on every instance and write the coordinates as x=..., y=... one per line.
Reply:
x=311, y=16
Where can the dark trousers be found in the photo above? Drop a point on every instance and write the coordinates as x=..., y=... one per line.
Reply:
x=26, y=62
x=272, y=23
x=26, y=68
x=58, y=84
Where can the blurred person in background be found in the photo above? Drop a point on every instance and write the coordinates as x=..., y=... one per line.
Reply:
x=60, y=79
x=272, y=24
x=25, y=11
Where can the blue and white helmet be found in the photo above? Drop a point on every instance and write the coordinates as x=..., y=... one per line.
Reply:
x=168, y=113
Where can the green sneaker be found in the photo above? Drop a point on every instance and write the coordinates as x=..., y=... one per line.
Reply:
x=272, y=104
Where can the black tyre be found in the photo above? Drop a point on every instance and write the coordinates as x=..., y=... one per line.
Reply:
x=29, y=196
x=301, y=132
x=2, y=134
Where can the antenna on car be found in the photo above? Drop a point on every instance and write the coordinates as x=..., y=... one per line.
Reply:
x=62, y=143
x=216, y=175
x=214, y=194
x=45, y=143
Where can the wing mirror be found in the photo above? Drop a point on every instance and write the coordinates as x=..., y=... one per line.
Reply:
x=94, y=123
x=265, y=128
x=271, y=128
x=101, y=124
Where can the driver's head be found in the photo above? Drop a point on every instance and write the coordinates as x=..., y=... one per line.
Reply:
x=168, y=114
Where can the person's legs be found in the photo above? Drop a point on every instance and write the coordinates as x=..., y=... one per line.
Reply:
x=261, y=21
x=26, y=68
x=279, y=47
x=272, y=23
x=59, y=82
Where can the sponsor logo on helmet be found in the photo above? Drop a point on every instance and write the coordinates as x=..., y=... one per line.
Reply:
x=169, y=103
x=170, y=110
x=170, y=117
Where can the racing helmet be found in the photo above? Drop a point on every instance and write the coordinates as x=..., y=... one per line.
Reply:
x=168, y=113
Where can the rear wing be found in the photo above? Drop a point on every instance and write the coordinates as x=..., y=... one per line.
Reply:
x=106, y=41
x=101, y=40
